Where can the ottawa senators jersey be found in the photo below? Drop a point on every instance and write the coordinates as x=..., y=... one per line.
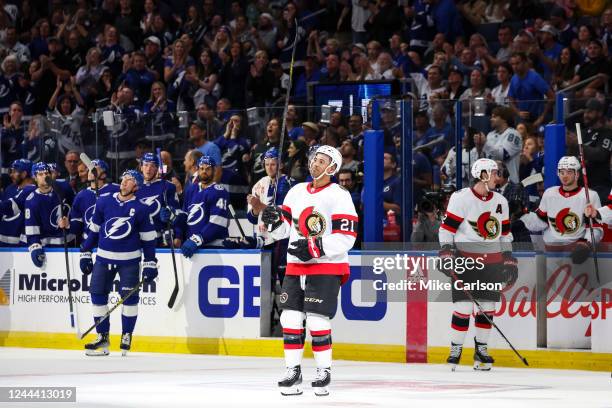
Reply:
x=605, y=212
x=561, y=216
x=475, y=223
x=326, y=212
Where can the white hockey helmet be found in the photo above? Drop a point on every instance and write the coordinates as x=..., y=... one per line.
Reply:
x=568, y=163
x=486, y=165
x=333, y=154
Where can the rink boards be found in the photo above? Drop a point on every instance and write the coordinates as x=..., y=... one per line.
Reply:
x=219, y=306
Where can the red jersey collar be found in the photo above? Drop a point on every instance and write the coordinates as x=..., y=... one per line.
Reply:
x=313, y=190
x=569, y=193
x=482, y=198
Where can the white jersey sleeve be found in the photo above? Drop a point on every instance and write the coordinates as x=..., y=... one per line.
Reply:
x=344, y=223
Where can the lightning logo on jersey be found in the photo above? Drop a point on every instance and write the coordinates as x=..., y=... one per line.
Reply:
x=196, y=214
x=566, y=222
x=149, y=202
x=311, y=223
x=120, y=227
x=486, y=227
x=56, y=214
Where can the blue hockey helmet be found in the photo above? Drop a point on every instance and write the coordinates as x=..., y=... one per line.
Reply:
x=150, y=158
x=40, y=167
x=22, y=165
x=271, y=153
x=137, y=176
x=206, y=160
x=101, y=164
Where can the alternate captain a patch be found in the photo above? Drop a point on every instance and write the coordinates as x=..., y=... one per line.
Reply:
x=565, y=222
x=311, y=223
x=486, y=226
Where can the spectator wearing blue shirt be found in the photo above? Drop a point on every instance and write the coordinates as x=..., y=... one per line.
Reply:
x=198, y=137
x=549, y=51
x=446, y=18
x=137, y=76
x=392, y=185
x=422, y=176
x=311, y=74
x=527, y=91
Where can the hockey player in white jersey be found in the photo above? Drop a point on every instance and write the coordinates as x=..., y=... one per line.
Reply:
x=560, y=214
x=321, y=222
x=476, y=226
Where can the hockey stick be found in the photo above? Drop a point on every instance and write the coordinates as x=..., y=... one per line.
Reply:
x=533, y=179
x=175, y=290
x=74, y=319
x=284, y=123
x=491, y=322
x=586, y=191
x=107, y=314
x=233, y=213
x=90, y=166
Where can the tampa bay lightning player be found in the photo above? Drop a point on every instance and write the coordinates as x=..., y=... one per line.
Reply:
x=123, y=232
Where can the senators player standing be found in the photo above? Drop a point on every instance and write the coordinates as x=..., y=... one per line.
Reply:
x=477, y=226
x=320, y=220
x=560, y=214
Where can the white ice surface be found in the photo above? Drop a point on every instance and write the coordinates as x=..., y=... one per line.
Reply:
x=180, y=380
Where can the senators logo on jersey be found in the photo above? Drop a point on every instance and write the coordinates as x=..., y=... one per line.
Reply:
x=566, y=222
x=486, y=227
x=311, y=223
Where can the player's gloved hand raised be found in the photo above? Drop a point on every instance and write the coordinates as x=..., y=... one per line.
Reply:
x=447, y=259
x=271, y=217
x=243, y=243
x=510, y=268
x=167, y=214
x=191, y=245
x=86, y=263
x=307, y=249
x=581, y=251
x=149, y=270
x=37, y=253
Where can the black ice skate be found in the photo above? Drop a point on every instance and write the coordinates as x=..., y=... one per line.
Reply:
x=482, y=360
x=126, y=343
x=321, y=382
x=291, y=382
x=455, y=355
x=99, y=347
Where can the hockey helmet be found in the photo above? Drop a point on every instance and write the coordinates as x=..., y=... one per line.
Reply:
x=206, y=161
x=150, y=158
x=333, y=154
x=22, y=165
x=101, y=164
x=40, y=167
x=271, y=153
x=568, y=163
x=137, y=176
x=486, y=165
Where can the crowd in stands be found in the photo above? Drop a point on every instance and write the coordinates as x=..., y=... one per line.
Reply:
x=112, y=78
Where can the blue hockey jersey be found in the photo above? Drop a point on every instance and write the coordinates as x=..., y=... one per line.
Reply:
x=66, y=191
x=206, y=214
x=42, y=214
x=122, y=230
x=83, y=208
x=12, y=209
x=156, y=194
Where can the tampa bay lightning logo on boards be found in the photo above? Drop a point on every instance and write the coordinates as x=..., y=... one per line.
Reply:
x=117, y=227
x=56, y=214
x=149, y=202
x=88, y=215
x=196, y=213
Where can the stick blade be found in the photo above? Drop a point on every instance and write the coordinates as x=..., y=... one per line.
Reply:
x=86, y=161
x=173, y=296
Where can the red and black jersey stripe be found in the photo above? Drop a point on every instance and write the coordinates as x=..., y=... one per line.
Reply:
x=345, y=224
x=542, y=215
x=285, y=213
x=505, y=227
x=451, y=222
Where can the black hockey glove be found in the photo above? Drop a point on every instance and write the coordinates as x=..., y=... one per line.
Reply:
x=307, y=249
x=447, y=259
x=581, y=252
x=271, y=217
x=509, y=269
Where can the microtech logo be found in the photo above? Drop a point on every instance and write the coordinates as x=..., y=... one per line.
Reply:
x=5, y=287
